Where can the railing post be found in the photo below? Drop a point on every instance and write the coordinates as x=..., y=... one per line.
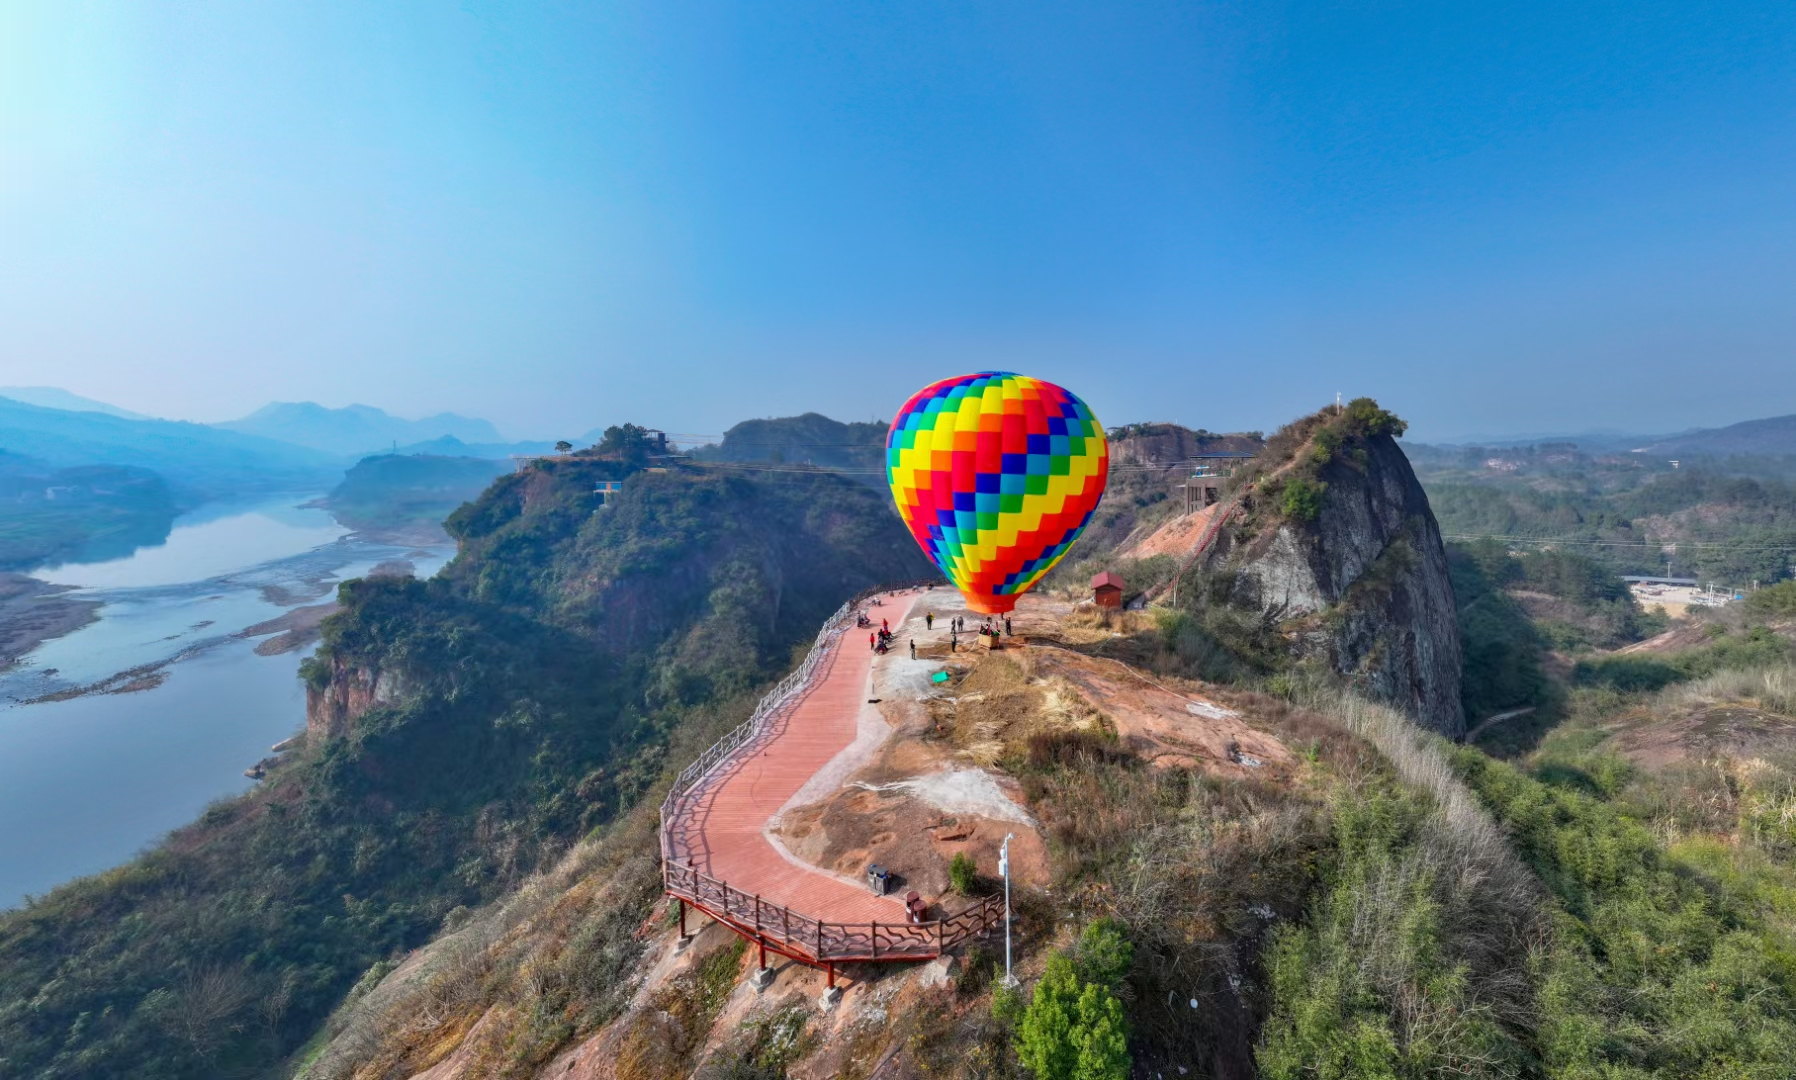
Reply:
x=874, y=936
x=757, y=913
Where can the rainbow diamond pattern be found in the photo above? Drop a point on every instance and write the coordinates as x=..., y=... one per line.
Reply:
x=996, y=475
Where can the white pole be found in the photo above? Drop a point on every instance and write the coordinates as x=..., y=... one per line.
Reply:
x=1004, y=869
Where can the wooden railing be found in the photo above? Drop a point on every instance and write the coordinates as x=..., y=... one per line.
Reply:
x=804, y=937
x=818, y=941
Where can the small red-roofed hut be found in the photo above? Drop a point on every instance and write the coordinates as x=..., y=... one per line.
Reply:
x=1107, y=590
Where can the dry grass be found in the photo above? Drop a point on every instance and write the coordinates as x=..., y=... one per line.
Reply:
x=1492, y=908
x=551, y=961
x=1770, y=689
x=1002, y=704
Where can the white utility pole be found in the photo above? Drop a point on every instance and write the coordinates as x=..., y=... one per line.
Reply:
x=1004, y=870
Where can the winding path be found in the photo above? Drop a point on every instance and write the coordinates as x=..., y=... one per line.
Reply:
x=719, y=826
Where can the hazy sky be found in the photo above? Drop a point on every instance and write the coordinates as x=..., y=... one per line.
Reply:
x=1492, y=217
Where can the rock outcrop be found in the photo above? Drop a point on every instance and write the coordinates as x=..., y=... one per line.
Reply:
x=353, y=689
x=1333, y=541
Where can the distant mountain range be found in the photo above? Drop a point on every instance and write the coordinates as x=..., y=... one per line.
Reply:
x=355, y=430
x=50, y=397
x=1771, y=437
x=200, y=461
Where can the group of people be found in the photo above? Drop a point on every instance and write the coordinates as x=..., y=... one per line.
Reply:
x=958, y=626
x=880, y=640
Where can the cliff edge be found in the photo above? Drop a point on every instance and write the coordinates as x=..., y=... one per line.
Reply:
x=1332, y=542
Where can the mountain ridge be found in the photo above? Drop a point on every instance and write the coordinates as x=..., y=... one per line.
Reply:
x=355, y=429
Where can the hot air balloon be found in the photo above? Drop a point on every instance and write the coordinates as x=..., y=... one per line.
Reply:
x=996, y=475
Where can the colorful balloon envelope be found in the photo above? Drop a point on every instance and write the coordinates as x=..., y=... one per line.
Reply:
x=996, y=475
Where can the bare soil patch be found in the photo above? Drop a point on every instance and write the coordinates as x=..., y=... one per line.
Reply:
x=1716, y=731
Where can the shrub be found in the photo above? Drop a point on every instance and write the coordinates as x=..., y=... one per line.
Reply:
x=962, y=874
x=1073, y=1030
x=1776, y=600
x=1301, y=499
x=1104, y=953
x=1363, y=417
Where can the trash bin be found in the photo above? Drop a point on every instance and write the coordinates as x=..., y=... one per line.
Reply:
x=877, y=878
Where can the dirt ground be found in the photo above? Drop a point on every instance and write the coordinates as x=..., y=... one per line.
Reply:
x=1717, y=731
x=933, y=789
x=1684, y=636
x=1178, y=537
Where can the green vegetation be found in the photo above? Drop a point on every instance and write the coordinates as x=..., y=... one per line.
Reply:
x=1288, y=482
x=1734, y=520
x=1750, y=650
x=398, y=491
x=856, y=448
x=536, y=684
x=1074, y=1027
x=89, y=512
x=1369, y=985
x=962, y=874
x=1301, y=499
x=1664, y=961
x=1776, y=601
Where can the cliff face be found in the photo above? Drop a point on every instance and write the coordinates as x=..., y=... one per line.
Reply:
x=353, y=689
x=1335, y=542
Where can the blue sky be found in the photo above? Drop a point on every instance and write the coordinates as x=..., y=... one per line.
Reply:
x=1540, y=217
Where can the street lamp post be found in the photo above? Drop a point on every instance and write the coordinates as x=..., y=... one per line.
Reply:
x=1004, y=869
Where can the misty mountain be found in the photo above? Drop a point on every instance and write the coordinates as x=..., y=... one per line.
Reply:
x=50, y=397
x=1772, y=437
x=355, y=429
x=199, y=461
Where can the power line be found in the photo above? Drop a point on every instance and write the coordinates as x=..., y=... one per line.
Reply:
x=1584, y=541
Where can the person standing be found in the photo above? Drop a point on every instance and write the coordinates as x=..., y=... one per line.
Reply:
x=913, y=648
x=1006, y=626
x=929, y=620
x=871, y=639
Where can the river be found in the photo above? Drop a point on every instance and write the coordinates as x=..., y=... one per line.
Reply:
x=88, y=779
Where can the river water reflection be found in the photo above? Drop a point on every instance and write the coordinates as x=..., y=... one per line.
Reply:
x=87, y=782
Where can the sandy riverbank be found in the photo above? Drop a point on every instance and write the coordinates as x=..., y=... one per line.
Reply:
x=33, y=612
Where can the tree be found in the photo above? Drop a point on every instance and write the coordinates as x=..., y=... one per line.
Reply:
x=563, y=446
x=626, y=441
x=1073, y=1031
x=1104, y=954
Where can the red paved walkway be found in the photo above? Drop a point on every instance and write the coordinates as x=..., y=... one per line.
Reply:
x=721, y=819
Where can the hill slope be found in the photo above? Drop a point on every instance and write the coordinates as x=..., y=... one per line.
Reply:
x=1772, y=436
x=461, y=732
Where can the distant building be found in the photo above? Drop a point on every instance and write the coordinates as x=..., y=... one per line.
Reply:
x=1204, y=488
x=1107, y=590
x=606, y=489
